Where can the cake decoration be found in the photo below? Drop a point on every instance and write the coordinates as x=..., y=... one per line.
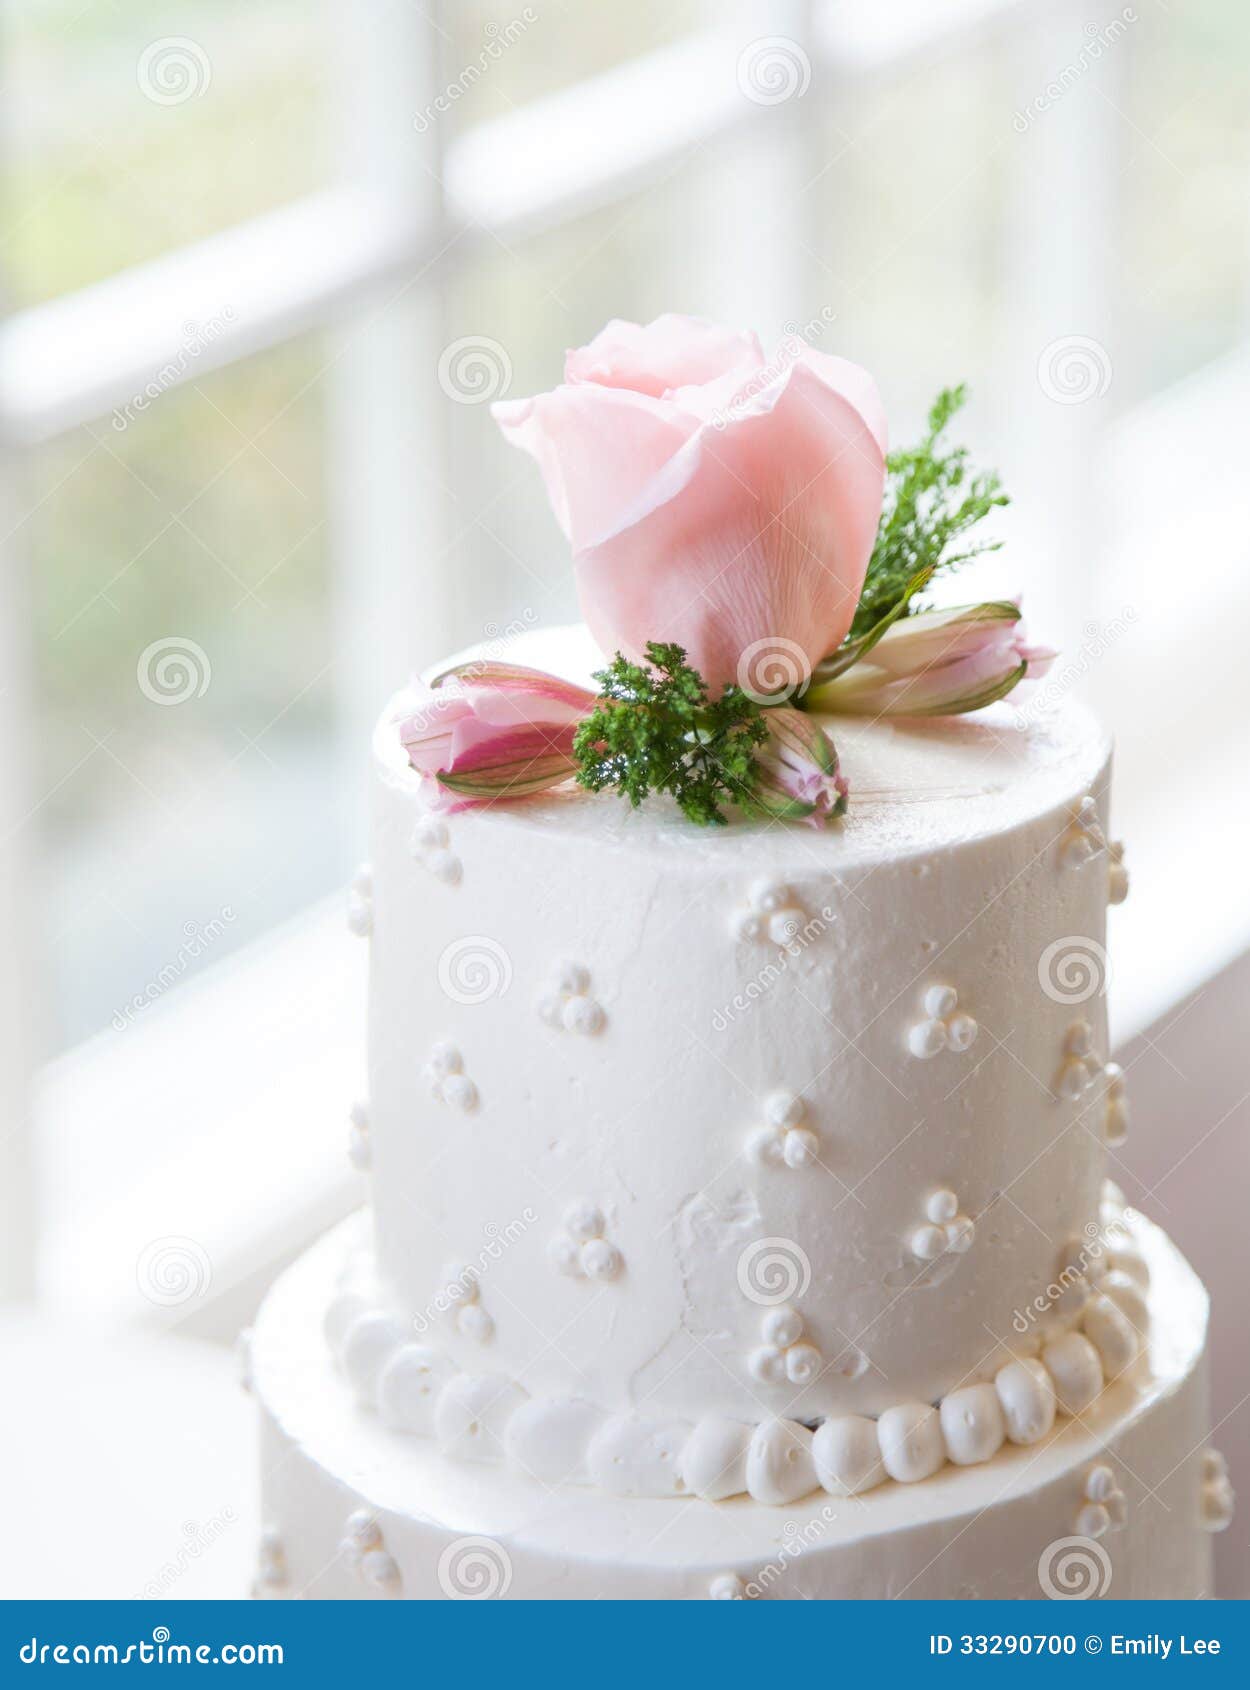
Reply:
x=1084, y=838
x=430, y=845
x=1117, y=874
x=271, y=1569
x=582, y=1250
x=773, y=912
x=360, y=903
x=784, y=1355
x=568, y=1005
x=444, y=1074
x=945, y=1025
x=1104, y=1508
x=362, y=1550
x=784, y=1138
x=1115, y=1114
x=461, y=1294
x=358, y=1137
x=946, y=1231
x=1218, y=1500
x=1080, y=1069
x=748, y=558
x=727, y=1587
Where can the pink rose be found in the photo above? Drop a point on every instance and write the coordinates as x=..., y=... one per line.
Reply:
x=712, y=499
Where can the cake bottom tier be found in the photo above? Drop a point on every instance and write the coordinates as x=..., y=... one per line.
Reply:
x=1114, y=1504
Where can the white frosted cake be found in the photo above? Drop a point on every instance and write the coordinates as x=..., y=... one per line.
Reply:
x=740, y=1109
x=739, y=1220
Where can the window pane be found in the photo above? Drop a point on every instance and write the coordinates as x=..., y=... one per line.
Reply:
x=497, y=57
x=138, y=126
x=184, y=652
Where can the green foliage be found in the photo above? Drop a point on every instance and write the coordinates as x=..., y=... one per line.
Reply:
x=654, y=729
x=931, y=498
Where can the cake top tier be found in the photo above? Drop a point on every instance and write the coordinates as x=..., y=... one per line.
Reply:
x=916, y=785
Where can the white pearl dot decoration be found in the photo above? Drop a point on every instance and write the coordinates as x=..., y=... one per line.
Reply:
x=582, y=1251
x=360, y=903
x=430, y=845
x=784, y=1356
x=362, y=1550
x=444, y=1074
x=727, y=1587
x=1084, y=838
x=567, y=1004
x=1081, y=1068
x=1117, y=874
x=271, y=1568
x=785, y=1139
x=944, y=1026
x=461, y=1295
x=1103, y=1507
x=1115, y=1118
x=944, y=1230
x=358, y=1152
x=1217, y=1501
x=773, y=913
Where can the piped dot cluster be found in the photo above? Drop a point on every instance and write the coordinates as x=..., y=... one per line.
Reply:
x=430, y=845
x=784, y=1355
x=581, y=1250
x=568, y=1005
x=364, y=1552
x=271, y=1569
x=1081, y=1069
x=772, y=912
x=444, y=1074
x=1218, y=1501
x=944, y=1231
x=360, y=902
x=944, y=1027
x=785, y=1138
x=1103, y=1508
x=463, y=1292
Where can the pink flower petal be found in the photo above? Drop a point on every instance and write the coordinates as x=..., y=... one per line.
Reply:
x=671, y=352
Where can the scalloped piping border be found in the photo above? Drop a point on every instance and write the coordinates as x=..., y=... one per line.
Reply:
x=418, y=1390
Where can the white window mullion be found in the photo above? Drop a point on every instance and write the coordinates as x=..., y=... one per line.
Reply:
x=386, y=412
x=17, y=966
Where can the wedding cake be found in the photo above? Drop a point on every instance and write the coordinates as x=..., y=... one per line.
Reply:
x=740, y=1222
